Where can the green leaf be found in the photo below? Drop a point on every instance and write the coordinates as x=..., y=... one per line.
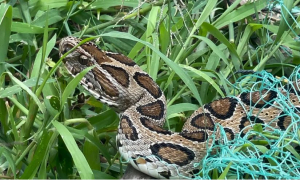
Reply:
x=17, y=88
x=49, y=4
x=258, y=127
x=40, y=153
x=24, y=9
x=40, y=60
x=5, y=25
x=262, y=149
x=151, y=37
x=103, y=121
x=206, y=77
x=240, y=13
x=81, y=163
x=102, y=175
x=104, y=4
x=73, y=84
x=52, y=17
x=54, y=101
x=285, y=20
x=155, y=59
x=250, y=28
x=94, y=140
x=29, y=91
x=214, y=48
x=20, y=27
x=136, y=49
x=164, y=38
x=8, y=155
x=292, y=150
x=91, y=154
x=24, y=38
x=231, y=47
x=181, y=107
x=225, y=172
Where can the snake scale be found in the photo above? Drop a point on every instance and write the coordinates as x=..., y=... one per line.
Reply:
x=121, y=84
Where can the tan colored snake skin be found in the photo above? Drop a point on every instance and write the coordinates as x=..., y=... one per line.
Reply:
x=118, y=82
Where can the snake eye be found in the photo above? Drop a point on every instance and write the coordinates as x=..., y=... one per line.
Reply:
x=83, y=60
x=67, y=48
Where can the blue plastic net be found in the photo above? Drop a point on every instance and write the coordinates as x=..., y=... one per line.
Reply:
x=267, y=153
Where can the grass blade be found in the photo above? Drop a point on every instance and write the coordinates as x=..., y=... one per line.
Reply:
x=80, y=162
x=39, y=156
x=5, y=25
x=73, y=84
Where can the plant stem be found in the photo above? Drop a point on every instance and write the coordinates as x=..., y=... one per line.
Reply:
x=115, y=157
x=104, y=25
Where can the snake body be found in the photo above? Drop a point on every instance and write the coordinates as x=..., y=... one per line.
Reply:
x=121, y=84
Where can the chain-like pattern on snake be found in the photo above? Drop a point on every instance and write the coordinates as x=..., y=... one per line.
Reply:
x=121, y=84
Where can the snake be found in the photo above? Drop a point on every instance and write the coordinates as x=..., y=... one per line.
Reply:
x=120, y=83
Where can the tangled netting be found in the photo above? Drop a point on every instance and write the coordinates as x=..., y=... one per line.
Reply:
x=264, y=151
x=267, y=153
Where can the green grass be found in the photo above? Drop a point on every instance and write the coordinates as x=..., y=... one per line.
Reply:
x=188, y=49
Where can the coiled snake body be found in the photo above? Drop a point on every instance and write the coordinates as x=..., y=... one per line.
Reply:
x=118, y=82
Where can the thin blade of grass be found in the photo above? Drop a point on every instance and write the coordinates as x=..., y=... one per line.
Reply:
x=5, y=25
x=214, y=48
x=106, y=4
x=164, y=38
x=29, y=91
x=16, y=88
x=38, y=157
x=285, y=20
x=52, y=17
x=8, y=155
x=39, y=62
x=91, y=153
x=231, y=47
x=80, y=162
x=42, y=173
x=154, y=63
x=179, y=57
x=206, y=77
x=49, y=4
x=73, y=84
x=20, y=27
x=246, y=35
x=152, y=59
x=5, y=29
x=204, y=16
x=224, y=173
x=94, y=140
x=240, y=13
x=181, y=107
x=293, y=151
x=24, y=9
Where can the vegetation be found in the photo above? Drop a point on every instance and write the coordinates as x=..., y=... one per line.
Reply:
x=52, y=128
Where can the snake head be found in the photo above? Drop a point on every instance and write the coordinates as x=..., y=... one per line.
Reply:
x=78, y=59
x=111, y=80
